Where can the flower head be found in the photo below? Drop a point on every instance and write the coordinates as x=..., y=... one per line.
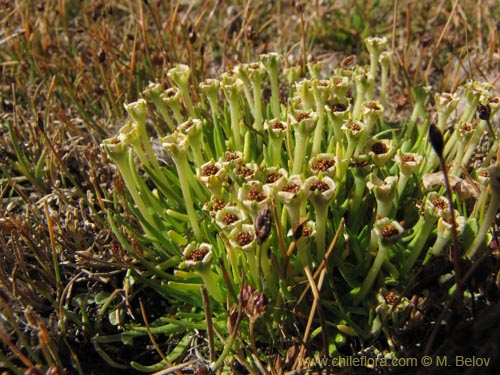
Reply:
x=130, y=134
x=387, y=230
x=210, y=87
x=408, y=162
x=256, y=71
x=293, y=73
x=231, y=159
x=191, y=127
x=320, y=190
x=243, y=237
x=213, y=175
x=385, y=58
x=380, y=151
x=137, y=110
x=304, y=122
x=353, y=129
x=303, y=229
x=321, y=90
x=273, y=179
x=340, y=85
x=376, y=45
x=445, y=227
x=276, y=128
x=384, y=191
x=372, y=111
x=116, y=148
x=304, y=92
x=171, y=97
x=251, y=194
x=292, y=190
x=176, y=144
x=271, y=61
x=245, y=172
x=465, y=131
x=180, y=74
x=324, y=164
x=232, y=87
x=229, y=217
x=198, y=257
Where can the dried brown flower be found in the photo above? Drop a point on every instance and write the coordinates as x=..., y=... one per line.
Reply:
x=263, y=225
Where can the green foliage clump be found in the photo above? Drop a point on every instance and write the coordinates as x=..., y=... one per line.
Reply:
x=289, y=199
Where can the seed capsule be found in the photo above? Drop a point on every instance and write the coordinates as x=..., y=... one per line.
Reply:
x=263, y=225
x=436, y=139
x=483, y=112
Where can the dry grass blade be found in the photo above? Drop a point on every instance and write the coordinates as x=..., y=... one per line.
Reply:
x=315, y=291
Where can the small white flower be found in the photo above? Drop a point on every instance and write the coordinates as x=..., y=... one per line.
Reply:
x=243, y=237
x=372, y=111
x=387, y=230
x=179, y=74
x=198, y=257
x=304, y=122
x=137, y=110
x=231, y=159
x=276, y=128
x=292, y=191
x=320, y=191
x=274, y=179
x=376, y=45
x=324, y=164
x=251, y=194
x=213, y=175
x=407, y=162
x=229, y=217
x=383, y=189
x=171, y=95
x=175, y=144
x=192, y=127
x=380, y=151
x=130, y=134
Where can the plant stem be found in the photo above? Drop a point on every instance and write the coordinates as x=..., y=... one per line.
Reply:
x=321, y=218
x=228, y=345
x=183, y=170
x=257, y=87
x=299, y=154
x=235, y=114
x=210, y=282
x=382, y=254
x=359, y=189
x=419, y=240
x=491, y=213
